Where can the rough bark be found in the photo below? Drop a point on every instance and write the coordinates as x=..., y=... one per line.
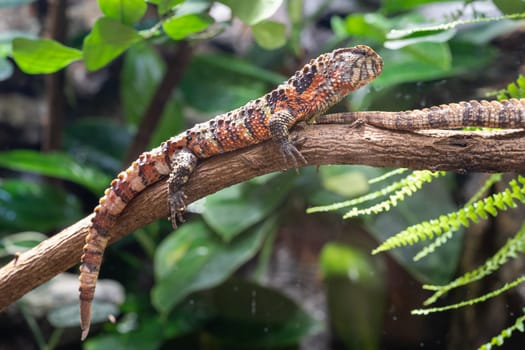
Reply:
x=324, y=144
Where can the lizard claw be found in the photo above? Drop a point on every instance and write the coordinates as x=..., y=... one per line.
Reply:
x=177, y=207
x=290, y=153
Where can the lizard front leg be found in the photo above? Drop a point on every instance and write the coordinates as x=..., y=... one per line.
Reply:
x=182, y=166
x=280, y=124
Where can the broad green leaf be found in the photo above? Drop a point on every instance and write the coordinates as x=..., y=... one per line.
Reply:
x=125, y=11
x=29, y=205
x=179, y=27
x=436, y=54
x=374, y=26
x=57, y=165
x=6, y=69
x=249, y=316
x=407, y=66
x=41, y=56
x=269, y=35
x=234, y=209
x=431, y=37
x=166, y=5
x=254, y=11
x=194, y=258
x=6, y=40
x=141, y=74
x=108, y=39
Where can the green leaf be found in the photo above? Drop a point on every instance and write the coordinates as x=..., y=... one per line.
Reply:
x=269, y=35
x=374, y=26
x=254, y=11
x=418, y=37
x=29, y=205
x=125, y=11
x=414, y=64
x=179, y=27
x=141, y=74
x=166, y=5
x=193, y=259
x=391, y=6
x=509, y=7
x=41, y=56
x=249, y=316
x=58, y=165
x=148, y=336
x=232, y=210
x=108, y=39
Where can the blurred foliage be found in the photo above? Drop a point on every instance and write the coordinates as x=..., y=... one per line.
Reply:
x=203, y=289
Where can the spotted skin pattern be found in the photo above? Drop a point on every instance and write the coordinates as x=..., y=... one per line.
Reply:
x=320, y=84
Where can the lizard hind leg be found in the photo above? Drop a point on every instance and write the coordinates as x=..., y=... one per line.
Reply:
x=182, y=166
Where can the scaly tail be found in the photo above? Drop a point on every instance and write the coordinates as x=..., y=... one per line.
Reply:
x=148, y=169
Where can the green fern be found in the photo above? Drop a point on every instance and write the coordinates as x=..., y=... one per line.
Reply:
x=506, y=333
x=462, y=218
x=400, y=189
x=471, y=302
x=443, y=238
x=387, y=175
x=511, y=250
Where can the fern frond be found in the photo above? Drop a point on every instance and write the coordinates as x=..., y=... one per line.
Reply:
x=438, y=242
x=441, y=240
x=510, y=250
x=406, y=185
x=453, y=221
x=473, y=301
x=492, y=179
x=387, y=175
x=506, y=333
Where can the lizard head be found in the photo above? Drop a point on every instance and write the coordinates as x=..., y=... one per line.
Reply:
x=351, y=68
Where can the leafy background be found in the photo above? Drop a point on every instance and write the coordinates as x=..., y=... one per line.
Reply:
x=250, y=269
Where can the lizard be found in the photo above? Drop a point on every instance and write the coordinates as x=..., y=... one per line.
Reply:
x=508, y=114
x=307, y=94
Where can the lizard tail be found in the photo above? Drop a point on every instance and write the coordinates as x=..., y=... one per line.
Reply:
x=148, y=169
x=492, y=114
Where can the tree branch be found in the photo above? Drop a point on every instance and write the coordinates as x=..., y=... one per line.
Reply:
x=501, y=151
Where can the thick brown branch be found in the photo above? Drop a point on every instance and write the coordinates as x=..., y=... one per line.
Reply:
x=324, y=144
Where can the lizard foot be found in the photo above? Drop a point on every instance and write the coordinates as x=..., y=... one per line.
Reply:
x=177, y=207
x=290, y=153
